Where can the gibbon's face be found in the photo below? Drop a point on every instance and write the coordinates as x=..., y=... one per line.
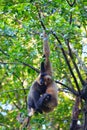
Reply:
x=47, y=79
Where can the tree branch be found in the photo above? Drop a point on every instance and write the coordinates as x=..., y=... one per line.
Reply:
x=5, y=125
x=69, y=88
x=66, y=59
x=71, y=4
x=25, y=64
x=17, y=106
x=12, y=90
x=40, y=19
x=75, y=115
x=79, y=59
x=71, y=55
x=4, y=52
x=72, y=59
x=4, y=63
x=70, y=21
x=25, y=98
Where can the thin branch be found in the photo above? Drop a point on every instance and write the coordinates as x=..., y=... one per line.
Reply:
x=17, y=106
x=66, y=59
x=84, y=25
x=71, y=55
x=12, y=91
x=71, y=4
x=70, y=21
x=69, y=88
x=4, y=63
x=25, y=98
x=79, y=59
x=4, y=52
x=5, y=125
x=40, y=19
x=75, y=65
x=25, y=64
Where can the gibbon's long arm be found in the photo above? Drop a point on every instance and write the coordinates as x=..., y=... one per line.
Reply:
x=42, y=73
x=46, y=49
x=46, y=54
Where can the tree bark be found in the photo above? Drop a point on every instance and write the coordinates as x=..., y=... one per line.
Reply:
x=85, y=116
x=75, y=115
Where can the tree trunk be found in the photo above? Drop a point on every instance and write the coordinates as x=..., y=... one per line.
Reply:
x=85, y=116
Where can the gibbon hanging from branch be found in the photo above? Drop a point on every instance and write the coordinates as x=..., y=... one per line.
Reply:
x=43, y=93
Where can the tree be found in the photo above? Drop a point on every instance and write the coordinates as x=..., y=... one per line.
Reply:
x=21, y=25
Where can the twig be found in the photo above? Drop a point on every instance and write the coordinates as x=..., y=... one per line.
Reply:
x=17, y=106
x=75, y=65
x=25, y=64
x=12, y=91
x=25, y=98
x=69, y=88
x=29, y=66
x=4, y=52
x=40, y=19
x=70, y=21
x=71, y=55
x=5, y=125
x=71, y=4
x=79, y=59
x=4, y=63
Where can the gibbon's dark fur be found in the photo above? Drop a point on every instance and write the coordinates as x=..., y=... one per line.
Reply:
x=43, y=93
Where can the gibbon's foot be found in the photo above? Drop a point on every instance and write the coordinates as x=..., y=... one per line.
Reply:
x=47, y=98
x=43, y=100
x=38, y=111
x=31, y=112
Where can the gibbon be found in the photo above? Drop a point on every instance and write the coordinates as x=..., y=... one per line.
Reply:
x=43, y=93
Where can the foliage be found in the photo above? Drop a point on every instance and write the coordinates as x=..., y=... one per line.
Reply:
x=21, y=48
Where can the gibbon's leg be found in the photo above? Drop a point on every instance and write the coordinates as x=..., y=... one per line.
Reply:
x=37, y=89
x=30, y=103
x=36, y=96
x=40, y=101
x=31, y=106
x=43, y=100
